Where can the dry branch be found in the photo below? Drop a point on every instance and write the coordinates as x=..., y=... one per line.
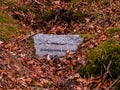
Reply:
x=114, y=83
x=107, y=71
x=27, y=37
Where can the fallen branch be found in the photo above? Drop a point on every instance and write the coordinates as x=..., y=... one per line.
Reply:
x=27, y=37
x=107, y=71
x=114, y=83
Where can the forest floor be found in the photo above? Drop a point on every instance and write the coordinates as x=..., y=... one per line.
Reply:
x=21, y=69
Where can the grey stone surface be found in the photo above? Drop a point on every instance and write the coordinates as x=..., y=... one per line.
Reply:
x=55, y=45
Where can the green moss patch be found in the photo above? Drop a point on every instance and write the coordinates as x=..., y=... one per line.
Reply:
x=113, y=31
x=100, y=56
x=88, y=35
x=8, y=27
x=1, y=0
x=89, y=1
x=80, y=16
x=48, y=15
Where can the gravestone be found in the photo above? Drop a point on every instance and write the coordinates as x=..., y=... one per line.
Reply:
x=55, y=45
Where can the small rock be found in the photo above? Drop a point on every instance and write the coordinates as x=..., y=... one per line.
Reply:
x=1, y=42
x=116, y=36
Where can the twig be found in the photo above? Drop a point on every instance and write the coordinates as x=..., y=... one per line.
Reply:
x=107, y=70
x=35, y=1
x=98, y=86
x=27, y=37
x=110, y=75
x=56, y=17
x=113, y=84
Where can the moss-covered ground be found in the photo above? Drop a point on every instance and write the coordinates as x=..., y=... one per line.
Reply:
x=97, y=21
x=9, y=28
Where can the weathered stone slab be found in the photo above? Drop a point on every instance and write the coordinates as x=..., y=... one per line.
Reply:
x=55, y=45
